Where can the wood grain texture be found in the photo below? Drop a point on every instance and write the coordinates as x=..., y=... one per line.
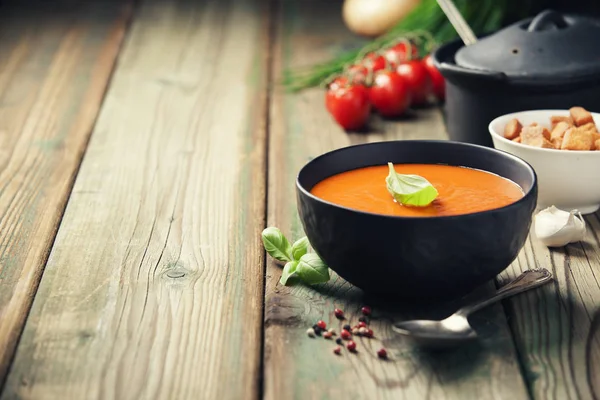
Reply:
x=55, y=62
x=305, y=368
x=557, y=328
x=154, y=287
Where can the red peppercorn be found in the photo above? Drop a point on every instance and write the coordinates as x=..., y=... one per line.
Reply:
x=327, y=335
x=321, y=324
x=345, y=335
x=382, y=353
x=362, y=324
x=366, y=310
x=337, y=350
x=351, y=346
x=369, y=333
x=339, y=314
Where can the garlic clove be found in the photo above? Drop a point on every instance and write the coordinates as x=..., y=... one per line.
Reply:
x=556, y=228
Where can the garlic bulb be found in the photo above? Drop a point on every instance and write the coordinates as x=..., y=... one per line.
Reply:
x=556, y=228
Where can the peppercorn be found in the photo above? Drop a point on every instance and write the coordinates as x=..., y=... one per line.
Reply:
x=369, y=333
x=362, y=331
x=345, y=335
x=337, y=350
x=327, y=335
x=339, y=314
x=355, y=331
x=347, y=327
x=310, y=332
x=362, y=324
x=332, y=331
x=317, y=331
x=364, y=319
x=321, y=324
x=351, y=346
x=366, y=310
x=382, y=353
x=338, y=340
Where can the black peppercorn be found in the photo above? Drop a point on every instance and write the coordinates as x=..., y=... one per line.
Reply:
x=338, y=340
x=364, y=319
x=347, y=327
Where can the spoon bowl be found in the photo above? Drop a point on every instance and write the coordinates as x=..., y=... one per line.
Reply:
x=456, y=330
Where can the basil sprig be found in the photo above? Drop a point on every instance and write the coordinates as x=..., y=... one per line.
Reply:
x=300, y=264
x=410, y=190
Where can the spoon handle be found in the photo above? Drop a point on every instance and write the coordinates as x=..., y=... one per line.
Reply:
x=527, y=280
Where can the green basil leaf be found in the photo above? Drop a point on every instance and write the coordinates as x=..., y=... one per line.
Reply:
x=410, y=190
x=289, y=271
x=311, y=269
x=276, y=244
x=300, y=248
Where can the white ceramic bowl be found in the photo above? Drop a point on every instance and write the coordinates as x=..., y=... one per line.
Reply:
x=566, y=179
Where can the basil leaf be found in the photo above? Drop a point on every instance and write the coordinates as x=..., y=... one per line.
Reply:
x=410, y=190
x=276, y=244
x=311, y=269
x=300, y=248
x=289, y=271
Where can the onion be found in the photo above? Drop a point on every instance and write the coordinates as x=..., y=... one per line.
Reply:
x=375, y=17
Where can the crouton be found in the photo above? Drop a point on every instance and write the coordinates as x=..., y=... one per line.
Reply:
x=559, y=130
x=577, y=139
x=517, y=139
x=597, y=145
x=580, y=116
x=596, y=140
x=533, y=124
x=557, y=142
x=555, y=119
x=536, y=136
x=589, y=127
x=512, y=129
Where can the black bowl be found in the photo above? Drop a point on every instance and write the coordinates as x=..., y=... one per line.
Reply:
x=431, y=257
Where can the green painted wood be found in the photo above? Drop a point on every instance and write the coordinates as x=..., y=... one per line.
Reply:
x=154, y=286
x=305, y=368
x=557, y=328
x=55, y=61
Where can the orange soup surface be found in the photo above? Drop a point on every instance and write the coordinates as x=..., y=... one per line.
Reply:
x=461, y=190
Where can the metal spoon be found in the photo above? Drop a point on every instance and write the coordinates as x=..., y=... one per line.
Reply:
x=455, y=329
x=458, y=22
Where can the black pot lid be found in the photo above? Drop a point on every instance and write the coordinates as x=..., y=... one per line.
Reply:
x=551, y=46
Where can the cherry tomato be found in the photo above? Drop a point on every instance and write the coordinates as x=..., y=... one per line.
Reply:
x=374, y=62
x=349, y=105
x=400, y=53
x=439, y=84
x=390, y=94
x=337, y=83
x=418, y=80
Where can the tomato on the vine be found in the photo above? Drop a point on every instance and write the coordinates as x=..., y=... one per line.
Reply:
x=337, y=82
x=374, y=62
x=418, y=80
x=401, y=52
x=349, y=105
x=437, y=80
x=389, y=94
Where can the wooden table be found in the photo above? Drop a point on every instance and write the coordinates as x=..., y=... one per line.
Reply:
x=143, y=148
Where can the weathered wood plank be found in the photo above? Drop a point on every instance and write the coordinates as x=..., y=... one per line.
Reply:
x=154, y=287
x=55, y=62
x=306, y=368
x=557, y=328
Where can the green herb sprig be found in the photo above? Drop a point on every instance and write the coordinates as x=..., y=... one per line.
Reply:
x=410, y=190
x=300, y=265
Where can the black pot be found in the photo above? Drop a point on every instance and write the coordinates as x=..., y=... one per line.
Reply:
x=427, y=258
x=549, y=62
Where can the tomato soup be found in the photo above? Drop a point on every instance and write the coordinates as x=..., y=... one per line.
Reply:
x=461, y=190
